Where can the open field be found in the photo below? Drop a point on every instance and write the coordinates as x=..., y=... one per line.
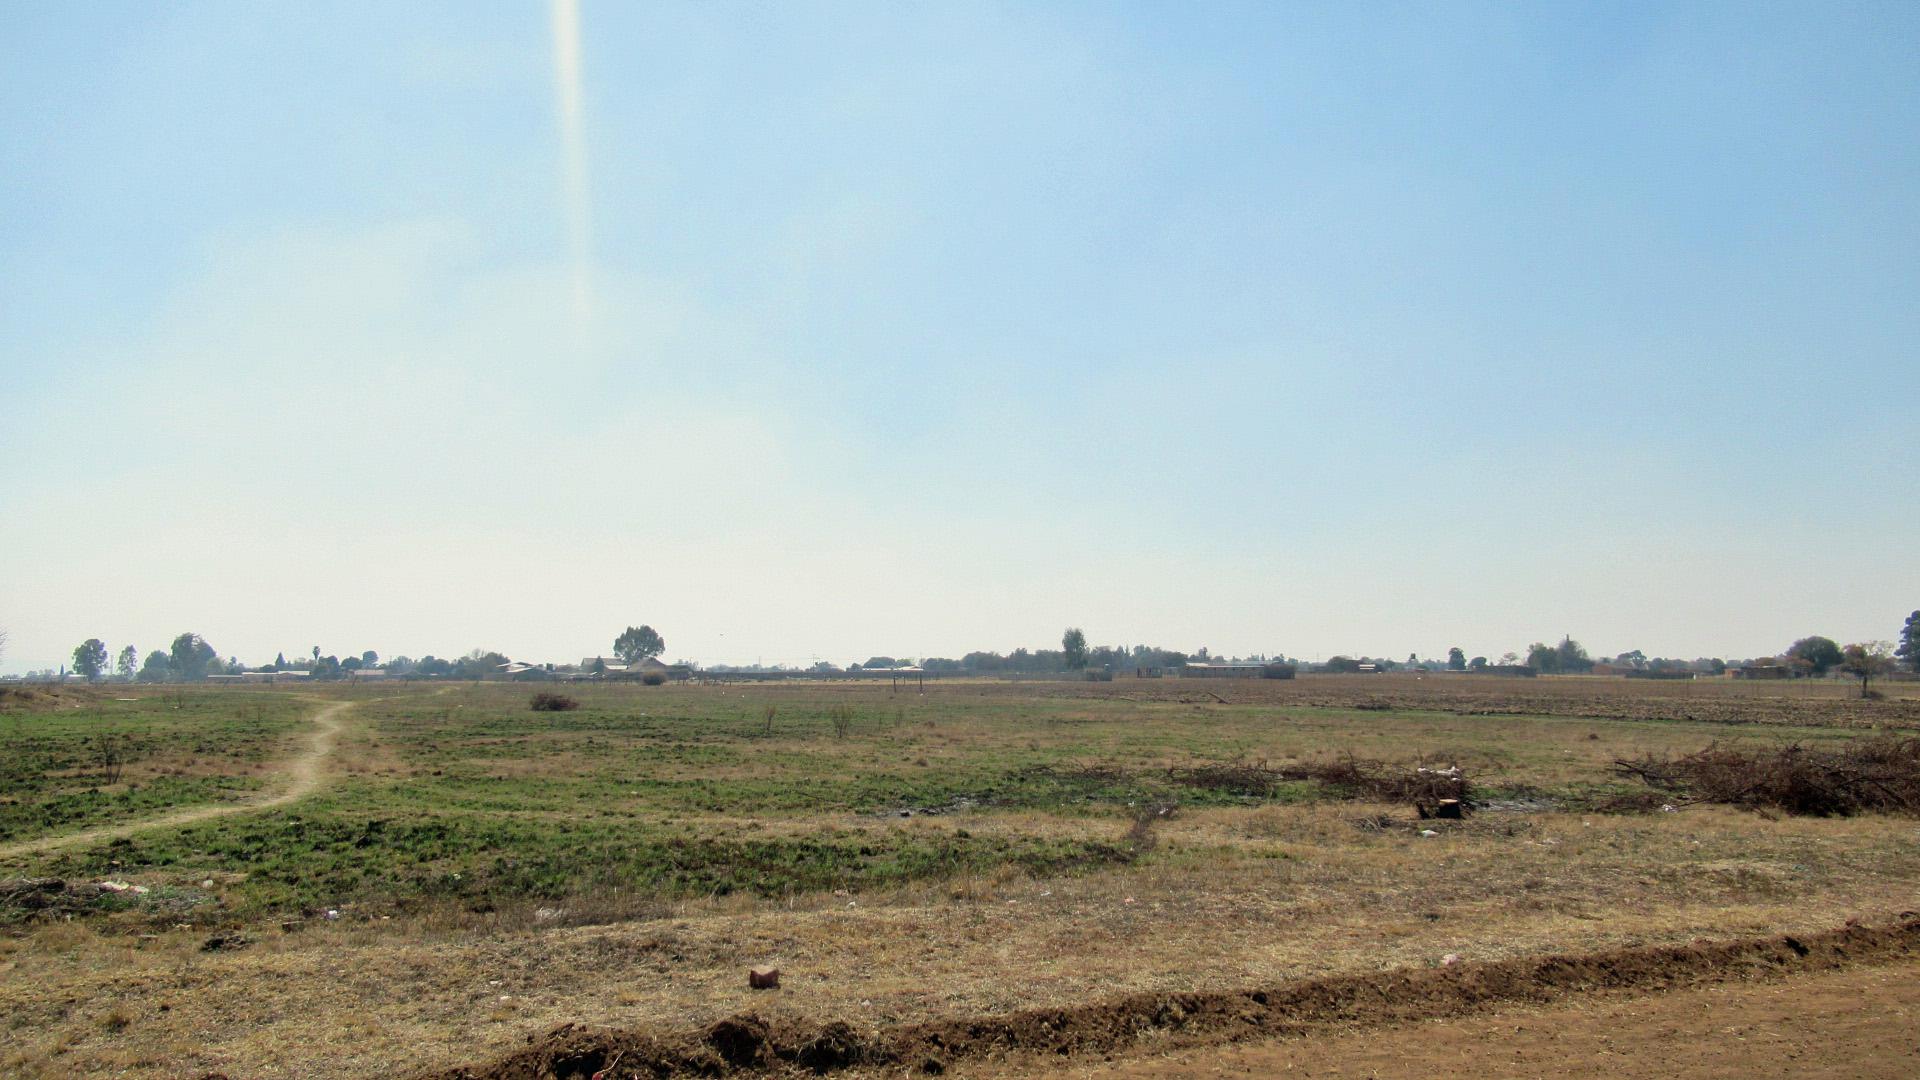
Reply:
x=978, y=849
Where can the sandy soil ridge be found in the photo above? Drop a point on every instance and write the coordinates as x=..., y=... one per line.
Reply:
x=749, y=1043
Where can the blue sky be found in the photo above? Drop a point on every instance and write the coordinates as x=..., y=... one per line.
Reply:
x=917, y=329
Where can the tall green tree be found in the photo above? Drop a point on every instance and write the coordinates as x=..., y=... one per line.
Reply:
x=1457, y=658
x=158, y=667
x=90, y=659
x=1543, y=658
x=1073, y=648
x=1818, y=653
x=190, y=656
x=1909, y=649
x=637, y=643
x=129, y=663
x=478, y=664
x=1573, y=656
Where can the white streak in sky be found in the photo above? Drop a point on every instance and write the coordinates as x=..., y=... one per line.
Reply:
x=573, y=148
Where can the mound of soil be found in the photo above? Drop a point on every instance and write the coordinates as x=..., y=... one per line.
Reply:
x=753, y=1044
x=43, y=697
x=49, y=898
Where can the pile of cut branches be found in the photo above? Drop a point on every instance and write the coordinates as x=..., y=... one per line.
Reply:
x=1878, y=773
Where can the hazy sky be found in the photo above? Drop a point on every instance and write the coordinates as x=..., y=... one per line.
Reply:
x=912, y=329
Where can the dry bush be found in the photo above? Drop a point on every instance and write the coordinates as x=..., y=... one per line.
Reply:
x=547, y=701
x=1424, y=785
x=1237, y=777
x=110, y=755
x=1877, y=773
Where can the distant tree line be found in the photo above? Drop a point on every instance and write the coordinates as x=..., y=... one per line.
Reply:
x=1074, y=655
x=190, y=658
x=187, y=659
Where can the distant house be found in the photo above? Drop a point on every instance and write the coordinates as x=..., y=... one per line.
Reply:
x=1235, y=669
x=275, y=676
x=616, y=668
x=515, y=671
x=1763, y=670
x=676, y=671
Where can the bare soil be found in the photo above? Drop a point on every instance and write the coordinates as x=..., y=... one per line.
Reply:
x=1856, y=1022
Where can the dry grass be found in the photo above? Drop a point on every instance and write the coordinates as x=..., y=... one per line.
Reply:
x=1243, y=891
x=1227, y=898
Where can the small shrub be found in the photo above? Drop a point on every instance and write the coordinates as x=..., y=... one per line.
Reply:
x=653, y=678
x=1238, y=778
x=546, y=701
x=110, y=755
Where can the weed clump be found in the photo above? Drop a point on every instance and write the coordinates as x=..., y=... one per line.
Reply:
x=547, y=701
x=1880, y=773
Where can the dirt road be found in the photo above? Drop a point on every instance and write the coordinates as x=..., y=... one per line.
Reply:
x=1855, y=1022
x=305, y=772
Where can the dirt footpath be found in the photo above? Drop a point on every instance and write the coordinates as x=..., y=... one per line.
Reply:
x=1858, y=1022
x=305, y=773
